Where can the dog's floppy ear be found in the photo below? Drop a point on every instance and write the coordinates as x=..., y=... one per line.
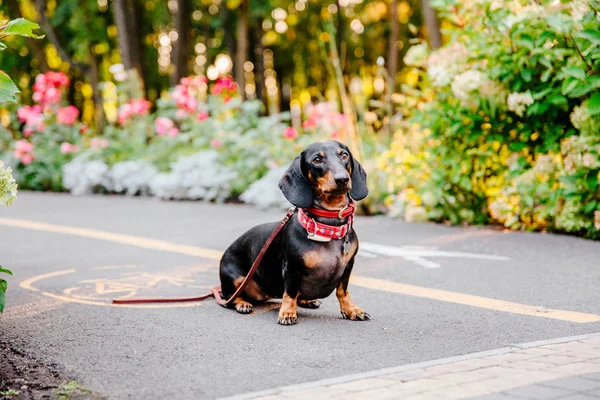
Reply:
x=359, y=181
x=295, y=187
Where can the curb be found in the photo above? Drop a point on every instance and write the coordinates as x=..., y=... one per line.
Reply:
x=403, y=368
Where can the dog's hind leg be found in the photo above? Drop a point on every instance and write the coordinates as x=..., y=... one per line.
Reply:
x=309, y=303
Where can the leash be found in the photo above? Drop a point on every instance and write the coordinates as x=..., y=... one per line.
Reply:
x=215, y=291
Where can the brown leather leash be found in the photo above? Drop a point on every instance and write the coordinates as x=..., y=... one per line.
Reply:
x=215, y=291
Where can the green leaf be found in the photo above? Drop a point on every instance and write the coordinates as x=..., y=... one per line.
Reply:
x=557, y=99
x=590, y=207
x=3, y=285
x=594, y=104
x=21, y=27
x=575, y=72
x=6, y=271
x=2, y=46
x=526, y=74
x=592, y=181
x=8, y=90
x=589, y=34
x=2, y=301
x=546, y=75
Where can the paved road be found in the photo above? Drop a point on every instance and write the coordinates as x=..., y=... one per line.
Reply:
x=433, y=292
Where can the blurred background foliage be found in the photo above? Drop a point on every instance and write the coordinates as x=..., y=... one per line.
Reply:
x=273, y=48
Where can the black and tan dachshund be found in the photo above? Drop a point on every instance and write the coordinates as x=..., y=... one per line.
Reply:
x=301, y=266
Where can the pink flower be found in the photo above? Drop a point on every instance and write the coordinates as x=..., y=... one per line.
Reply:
x=52, y=95
x=202, y=115
x=134, y=107
x=67, y=115
x=334, y=134
x=27, y=132
x=67, y=148
x=23, y=146
x=24, y=151
x=26, y=112
x=216, y=143
x=83, y=129
x=173, y=132
x=309, y=123
x=140, y=106
x=26, y=159
x=162, y=125
x=181, y=114
x=290, y=133
x=98, y=143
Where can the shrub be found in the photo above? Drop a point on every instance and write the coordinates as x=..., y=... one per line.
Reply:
x=495, y=107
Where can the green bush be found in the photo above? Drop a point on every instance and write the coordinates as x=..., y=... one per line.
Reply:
x=509, y=119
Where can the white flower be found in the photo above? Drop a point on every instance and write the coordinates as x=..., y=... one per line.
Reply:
x=199, y=176
x=467, y=82
x=545, y=164
x=415, y=214
x=265, y=192
x=439, y=75
x=446, y=62
x=8, y=187
x=518, y=102
x=579, y=116
x=416, y=56
x=496, y=5
x=131, y=177
x=589, y=160
x=578, y=9
x=81, y=176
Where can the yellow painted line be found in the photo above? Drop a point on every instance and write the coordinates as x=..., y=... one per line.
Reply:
x=470, y=300
x=130, y=240
x=363, y=281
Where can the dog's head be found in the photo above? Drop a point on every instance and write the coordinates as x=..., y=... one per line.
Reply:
x=324, y=173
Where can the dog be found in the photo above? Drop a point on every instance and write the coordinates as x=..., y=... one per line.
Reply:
x=314, y=254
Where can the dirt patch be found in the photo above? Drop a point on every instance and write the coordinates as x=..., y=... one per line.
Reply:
x=24, y=377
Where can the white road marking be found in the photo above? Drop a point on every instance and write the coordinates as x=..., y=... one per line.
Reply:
x=418, y=254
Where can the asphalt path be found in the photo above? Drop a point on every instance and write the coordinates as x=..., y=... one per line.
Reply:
x=432, y=291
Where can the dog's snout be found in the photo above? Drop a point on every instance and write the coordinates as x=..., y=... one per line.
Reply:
x=342, y=181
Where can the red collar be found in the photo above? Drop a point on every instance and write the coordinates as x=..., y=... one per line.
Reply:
x=328, y=232
x=343, y=213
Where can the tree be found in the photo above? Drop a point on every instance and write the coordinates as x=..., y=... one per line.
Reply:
x=393, y=43
x=126, y=20
x=181, y=47
x=432, y=25
x=241, y=53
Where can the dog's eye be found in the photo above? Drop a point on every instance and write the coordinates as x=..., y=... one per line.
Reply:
x=345, y=156
x=317, y=160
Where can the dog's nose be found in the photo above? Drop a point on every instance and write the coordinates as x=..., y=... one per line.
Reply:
x=342, y=181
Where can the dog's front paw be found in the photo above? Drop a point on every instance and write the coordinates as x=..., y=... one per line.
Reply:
x=243, y=307
x=287, y=318
x=309, y=303
x=355, y=314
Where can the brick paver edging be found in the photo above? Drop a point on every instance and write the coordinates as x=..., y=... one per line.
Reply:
x=409, y=367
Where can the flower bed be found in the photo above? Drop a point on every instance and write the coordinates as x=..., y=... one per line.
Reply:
x=200, y=143
x=507, y=118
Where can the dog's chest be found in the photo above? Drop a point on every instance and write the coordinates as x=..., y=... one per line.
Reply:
x=324, y=266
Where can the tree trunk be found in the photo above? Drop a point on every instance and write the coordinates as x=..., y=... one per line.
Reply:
x=432, y=24
x=37, y=49
x=241, y=54
x=94, y=77
x=127, y=34
x=259, y=67
x=181, y=46
x=229, y=37
x=393, y=46
x=340, y=32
